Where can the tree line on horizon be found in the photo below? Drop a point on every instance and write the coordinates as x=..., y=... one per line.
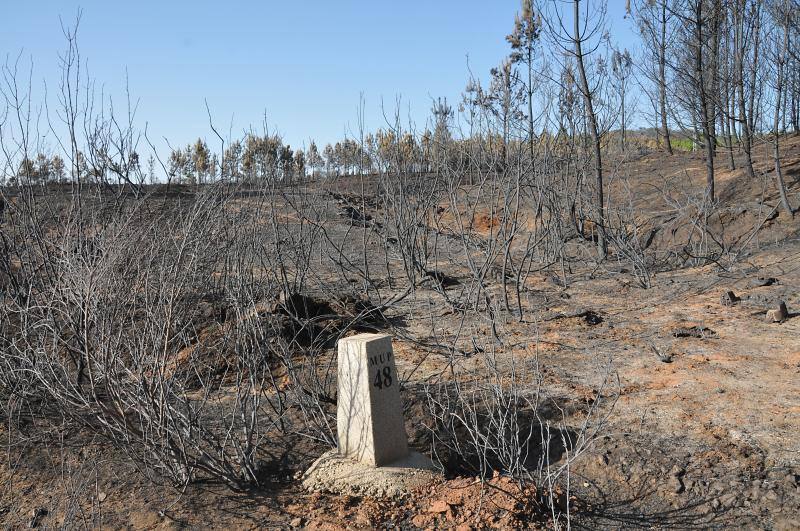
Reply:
x=722, y=74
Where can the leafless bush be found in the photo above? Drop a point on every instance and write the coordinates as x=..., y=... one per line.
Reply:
x=631, y=235
x=498, y=417
x=115, y=336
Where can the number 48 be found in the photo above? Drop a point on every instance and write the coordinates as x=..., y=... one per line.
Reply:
x=383, y=378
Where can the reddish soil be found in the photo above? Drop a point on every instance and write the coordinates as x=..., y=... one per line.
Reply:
x=701, y=432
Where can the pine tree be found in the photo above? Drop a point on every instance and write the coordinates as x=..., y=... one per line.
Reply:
x=313, y=159
x=622, y=68
x=442, y=137
x=201, y=161
x=300, y=164
x=232, y=162
x=286, y=160
x=177, y=164
x=42, y=171
x=330, y=157
x=26, y=171
x=524, y=40
x=58, y=168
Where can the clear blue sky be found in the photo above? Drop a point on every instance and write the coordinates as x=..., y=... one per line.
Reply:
x=303, y=63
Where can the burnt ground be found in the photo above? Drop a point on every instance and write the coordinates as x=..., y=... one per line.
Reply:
x=709, y=438
x=700, y=401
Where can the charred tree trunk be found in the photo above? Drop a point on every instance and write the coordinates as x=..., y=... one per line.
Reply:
x=662, y=77
x=781, y=52
x=740, y=50
x=706, y=116
x=591, y=119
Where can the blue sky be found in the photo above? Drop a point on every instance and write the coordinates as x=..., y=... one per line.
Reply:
x=304, y=64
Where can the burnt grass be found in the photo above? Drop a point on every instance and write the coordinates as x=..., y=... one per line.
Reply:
x=701, y=416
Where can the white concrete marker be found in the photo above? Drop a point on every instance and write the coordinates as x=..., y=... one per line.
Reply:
x=369, y=413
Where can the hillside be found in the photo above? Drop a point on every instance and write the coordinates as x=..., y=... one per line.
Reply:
x=680, y=411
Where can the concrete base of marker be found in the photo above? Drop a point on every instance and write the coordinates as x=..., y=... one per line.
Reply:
x=343, y=475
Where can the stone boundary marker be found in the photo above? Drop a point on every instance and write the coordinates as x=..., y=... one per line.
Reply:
x=372, y=458
x=369, y=415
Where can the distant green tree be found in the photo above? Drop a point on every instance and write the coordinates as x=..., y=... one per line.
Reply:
x=201, y=161
x=524, y=41
x=43, y=171
x=260, y=157
x=80, y=168
x=58, y=168
x=286, y=161
x=26, y=171
x=622, y=70
x=426, y=148
x=351, y=153
x=409, y=152
x=178, y=163
x=313, y=158
x=232, y=162
x=502, y=101
x=442, y=137
x=370, y=152
x=151, y=169
x=299, y=164
x=339, y=158
x=330, y=159
x=386, y=147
